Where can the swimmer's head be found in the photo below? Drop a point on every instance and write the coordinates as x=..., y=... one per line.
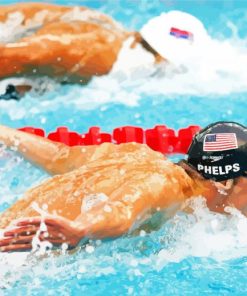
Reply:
x=219, y=151
x=175, y=35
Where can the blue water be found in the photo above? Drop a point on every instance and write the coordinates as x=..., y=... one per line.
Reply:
x=130, y=265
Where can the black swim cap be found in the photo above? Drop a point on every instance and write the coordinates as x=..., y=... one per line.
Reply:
x=219, y=151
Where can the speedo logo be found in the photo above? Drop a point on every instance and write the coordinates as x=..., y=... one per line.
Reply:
x=219, y=170
x=213, y=158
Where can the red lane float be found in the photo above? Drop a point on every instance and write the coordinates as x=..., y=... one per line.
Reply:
x=37, y=131
x=160, y=138
x=127, y=134
x=95, y=137
x=63, y=135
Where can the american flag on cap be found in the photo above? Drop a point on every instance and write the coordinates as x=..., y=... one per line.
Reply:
x=220, y=142
x=181, y=34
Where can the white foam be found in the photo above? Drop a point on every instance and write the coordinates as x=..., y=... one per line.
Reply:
x=204, y=234
x=219, y=69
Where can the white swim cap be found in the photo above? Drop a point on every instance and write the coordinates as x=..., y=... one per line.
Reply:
x=175, y=35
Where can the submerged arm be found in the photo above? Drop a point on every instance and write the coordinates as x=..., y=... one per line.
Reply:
x=55, y=158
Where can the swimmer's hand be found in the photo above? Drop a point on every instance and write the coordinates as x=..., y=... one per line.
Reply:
x=55, y=229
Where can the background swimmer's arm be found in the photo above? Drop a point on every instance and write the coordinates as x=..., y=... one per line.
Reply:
x=48, y=51
x=55, y=158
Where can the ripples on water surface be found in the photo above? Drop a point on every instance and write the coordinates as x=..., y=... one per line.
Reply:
x=198, y=253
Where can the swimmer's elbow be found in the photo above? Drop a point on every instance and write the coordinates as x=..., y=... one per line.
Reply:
x=112, y=224
x=123, y=227
x=61, y=162
x=66, y=160
x=116, y=229
x=122, y=222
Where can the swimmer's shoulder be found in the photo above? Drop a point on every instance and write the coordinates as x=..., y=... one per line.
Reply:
x=124, y=152
x=117, y=151
x=138, y=148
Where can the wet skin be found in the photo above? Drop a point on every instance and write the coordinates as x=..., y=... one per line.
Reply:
x=100, y=191
x=55, y=45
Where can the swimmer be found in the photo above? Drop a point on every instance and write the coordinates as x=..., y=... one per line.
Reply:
x=104, y=191
x=73, y=44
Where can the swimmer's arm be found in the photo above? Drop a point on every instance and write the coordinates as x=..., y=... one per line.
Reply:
x=126, y=207
x=115, y=216
x=55, y=158
x=46, y=53
x=105, y=221
x=108, y=219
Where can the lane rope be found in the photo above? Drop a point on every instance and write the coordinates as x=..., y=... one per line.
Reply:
x=160, y=138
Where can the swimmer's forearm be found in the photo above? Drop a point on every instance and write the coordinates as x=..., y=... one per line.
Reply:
x=105, y=222
x=41, y=151
x=55, y=158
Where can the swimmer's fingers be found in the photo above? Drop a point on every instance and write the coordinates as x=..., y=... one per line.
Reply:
x=24, y=230
x=15, y=248
x=16, y=240
x=19, y=240
x=70, y=232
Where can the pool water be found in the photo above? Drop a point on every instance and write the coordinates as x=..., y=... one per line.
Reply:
x=201, y=253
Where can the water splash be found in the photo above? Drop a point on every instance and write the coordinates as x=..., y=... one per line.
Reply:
x=200, y=233
x=205, y=234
